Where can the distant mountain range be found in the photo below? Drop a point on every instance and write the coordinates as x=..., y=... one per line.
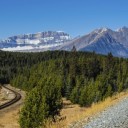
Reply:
x=103, y=41
x=34, y=42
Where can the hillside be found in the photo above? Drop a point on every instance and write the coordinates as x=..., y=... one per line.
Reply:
x=82, y=77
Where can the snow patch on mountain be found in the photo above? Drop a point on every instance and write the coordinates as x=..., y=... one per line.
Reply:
x=34, y=41
x=30, y=48
x=102, y=40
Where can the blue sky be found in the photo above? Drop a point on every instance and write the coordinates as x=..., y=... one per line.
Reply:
x=76, y=17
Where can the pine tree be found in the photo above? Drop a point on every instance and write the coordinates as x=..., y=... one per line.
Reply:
x=42, y=102
x=83, y=97
x=74, y=97
x=109, y=91
x=34, y=112
x=73, y=49
x=120, y=87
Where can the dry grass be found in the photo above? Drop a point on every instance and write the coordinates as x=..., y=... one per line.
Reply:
x=9, y=119
x=72, y=112
x=75, y=113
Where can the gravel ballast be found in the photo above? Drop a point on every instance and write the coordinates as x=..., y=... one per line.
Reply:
x=113, y=117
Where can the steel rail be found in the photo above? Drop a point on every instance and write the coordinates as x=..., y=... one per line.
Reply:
x=14, y=100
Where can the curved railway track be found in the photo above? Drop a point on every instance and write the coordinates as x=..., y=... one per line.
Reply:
x=14, y=100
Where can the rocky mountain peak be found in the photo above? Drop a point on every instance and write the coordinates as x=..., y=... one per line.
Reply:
x=123, y=29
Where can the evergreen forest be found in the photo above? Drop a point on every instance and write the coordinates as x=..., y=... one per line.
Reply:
x=82, y=77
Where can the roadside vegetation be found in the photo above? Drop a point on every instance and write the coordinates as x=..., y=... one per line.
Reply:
x=81, y=77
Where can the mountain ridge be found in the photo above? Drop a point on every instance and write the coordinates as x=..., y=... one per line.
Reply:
x=37, y=40
x=102, y=41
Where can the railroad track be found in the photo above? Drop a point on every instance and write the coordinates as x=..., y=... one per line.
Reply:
x=14, y=100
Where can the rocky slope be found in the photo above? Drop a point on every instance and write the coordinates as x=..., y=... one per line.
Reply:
x=113, y=117
x=102, y=41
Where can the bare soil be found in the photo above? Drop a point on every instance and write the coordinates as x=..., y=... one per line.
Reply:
x=5, y=95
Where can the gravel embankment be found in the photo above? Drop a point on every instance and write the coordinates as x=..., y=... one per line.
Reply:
x=113, y=117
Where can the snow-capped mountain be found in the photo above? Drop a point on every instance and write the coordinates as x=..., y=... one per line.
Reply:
x=42, y=40
x=102, y=41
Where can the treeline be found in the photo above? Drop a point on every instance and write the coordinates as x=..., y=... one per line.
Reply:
x=82, y=77
x=12, y=63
